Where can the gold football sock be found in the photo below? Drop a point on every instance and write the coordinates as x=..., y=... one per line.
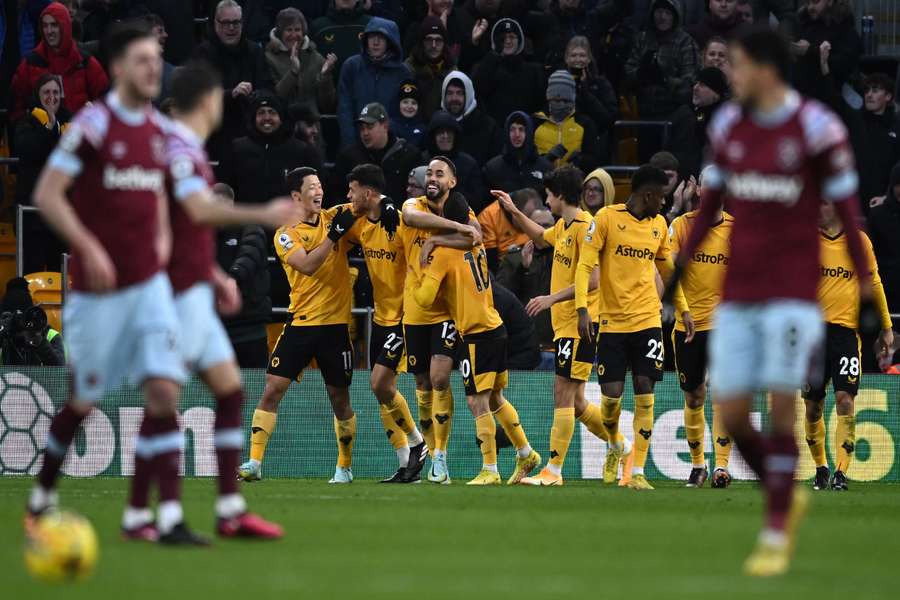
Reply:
x=643, y=429
x=508, y=417
x=443, y=417
x=486, y=430
x=695, y=428
x=400, y=412
x=345, y=432
x=610, y=409
x=261, y=429
x=394, y=434
x=845, y=436
x=721, y=439
x=592, y=419
x=426, y=424
x=561, y=435
x=815, y=439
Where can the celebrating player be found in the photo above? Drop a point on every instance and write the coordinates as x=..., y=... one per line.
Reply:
x=461, y=279
x=313, y=253
x=775, y=157
x=386, y=263
x=574, y=354
x=702, y=287
x=630, y=241
x=103, y=191
x=839, y=301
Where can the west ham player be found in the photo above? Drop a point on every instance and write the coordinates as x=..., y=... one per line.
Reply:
x=775, y=157
x=842, y=358
x=386, y=263
x=103, y=191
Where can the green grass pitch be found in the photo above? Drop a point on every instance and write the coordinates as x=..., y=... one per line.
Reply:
x=395, y=542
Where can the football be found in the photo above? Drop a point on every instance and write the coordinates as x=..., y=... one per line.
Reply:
x=61, y=546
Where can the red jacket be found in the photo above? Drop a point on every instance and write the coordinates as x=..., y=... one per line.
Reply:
x=83, y=78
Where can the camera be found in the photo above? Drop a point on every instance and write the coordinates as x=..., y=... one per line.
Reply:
x=31, y=321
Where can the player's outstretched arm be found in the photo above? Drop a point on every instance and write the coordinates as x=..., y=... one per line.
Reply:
x=203, y=209
x=414, y=217
x=539, y=304
x=529, y=227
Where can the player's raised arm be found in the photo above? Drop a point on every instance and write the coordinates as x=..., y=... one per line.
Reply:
x=521, y=220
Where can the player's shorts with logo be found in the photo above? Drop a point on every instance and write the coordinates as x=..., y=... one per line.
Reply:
x=839, y=363
x=330, y=345
x=204, y=342
x=387, y=348
x=129, y=333
x=482, y=361
x=641, y=351
x=691, y=360
x=575, y=357
x=425, y=341
x=763, y=346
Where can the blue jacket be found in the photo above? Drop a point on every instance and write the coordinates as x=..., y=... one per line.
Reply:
x=363, y=81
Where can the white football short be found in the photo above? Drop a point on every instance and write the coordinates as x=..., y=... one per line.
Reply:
x=763, y=347
x=204, y=342
x=128, y=333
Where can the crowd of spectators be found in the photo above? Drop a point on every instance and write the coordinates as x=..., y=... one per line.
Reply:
x=509, y=89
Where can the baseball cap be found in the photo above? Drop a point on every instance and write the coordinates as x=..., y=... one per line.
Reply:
x=372, y=113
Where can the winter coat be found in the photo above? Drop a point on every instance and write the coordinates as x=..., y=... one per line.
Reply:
x=363, y=81
x=469, y=181
x=522, y=352
x=838, y=27
x=33, y=143
x=517, y=169
x=529, y=283
x=396, y=159
x=711, y=27
x=242, y=252
x=429, y=78
x=884, y=223
x=412, y=130
x=338, y=33
x=876, y=143
x=662, y=68
x=597, y=99
x=305, y=87
x=102, y=15
x=482, y=138
x=578, y=134
x=83, y=78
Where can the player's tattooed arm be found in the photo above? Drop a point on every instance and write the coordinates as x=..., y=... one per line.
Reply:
x=531, y=229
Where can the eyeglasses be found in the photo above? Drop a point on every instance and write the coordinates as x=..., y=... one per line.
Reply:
x=593, y=189
x=434, y=41
x=230, y=24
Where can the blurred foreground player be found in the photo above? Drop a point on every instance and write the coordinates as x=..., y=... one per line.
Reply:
x=775, y=157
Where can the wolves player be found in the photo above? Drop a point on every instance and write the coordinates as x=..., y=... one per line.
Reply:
x=461, y=279
x=840, y=307
x=702, y=287
x=386, y=263
x=775, y=157
x=103, y=191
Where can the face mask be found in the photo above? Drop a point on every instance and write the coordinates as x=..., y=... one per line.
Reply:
x=560, y=109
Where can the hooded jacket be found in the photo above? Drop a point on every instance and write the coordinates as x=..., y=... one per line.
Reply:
x=662, y=67
x=508, y=83
x=481, y=138
x=884, y=223
x=577, y=133
x=338, y=32
x=609, y=189
x=83, y=78
x=468, y=173
x=306, y=87
x=515, y=169
x=363, y=80
x=258, y=162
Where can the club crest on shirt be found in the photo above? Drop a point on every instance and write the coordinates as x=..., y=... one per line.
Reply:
x=158, y=147
x=569, y=241
x=788, y=154
x=655, y=233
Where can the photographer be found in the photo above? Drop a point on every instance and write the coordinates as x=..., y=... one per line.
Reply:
x=25, y=337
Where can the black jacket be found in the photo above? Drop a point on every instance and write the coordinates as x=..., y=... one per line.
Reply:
x=242, y=252
x=469, y=181
x=33, y=144
x=838, y=27
x=50, y=352
x=884, y=223
x=877, y=147
x=482, y=138
x=522, y=351
x=529, y=283
x=517, y=169
x=396, y=159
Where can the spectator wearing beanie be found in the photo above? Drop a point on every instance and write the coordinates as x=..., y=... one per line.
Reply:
x=565, y=136
x=409, y=125
x=430, y=60
x=505, y=81
x=481, y=137
x=688, y=140
x=301, y=75
x=519, y=166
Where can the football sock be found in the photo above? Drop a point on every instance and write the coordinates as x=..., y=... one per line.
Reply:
x=610, y=409
x=780, y=463
x=643, y=430
x=230, y=506
x=261, y=429
x=815, y=439
x=695, y=427
x=560, y=437
x=443, y=417
x=394, y=435
x=721, y=440
x=62, y=432
x=345, y=431
x=592, y=419
x=508, y=417
x=486, y=430
x=753, y=450
x=139, y=487
x=228, y=440
x=399, y=409
x=845, y=434
x=167, y=444
x=423, y=403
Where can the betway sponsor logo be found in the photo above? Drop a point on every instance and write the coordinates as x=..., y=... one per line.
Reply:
x=133, y=179
x=837, y=272
x=710, y=259
x=758, y=187
x=381, y=254
x=631, y=252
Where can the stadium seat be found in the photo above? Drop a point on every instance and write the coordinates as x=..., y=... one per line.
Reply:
x=7, y=254
x=46, y=290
